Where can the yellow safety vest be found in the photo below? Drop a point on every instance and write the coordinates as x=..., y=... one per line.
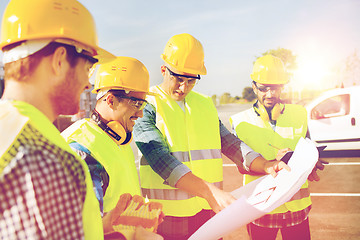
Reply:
x=118, y=161
x=17, y=116
x=193, y=138
x=257, y=134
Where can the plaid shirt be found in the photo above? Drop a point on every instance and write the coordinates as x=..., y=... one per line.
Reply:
x=281, y=220
x=42, y=190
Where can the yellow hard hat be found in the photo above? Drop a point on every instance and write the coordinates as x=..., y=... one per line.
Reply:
x=269, y=70
x=185, y=53
x=51, y=19
x=122, y=73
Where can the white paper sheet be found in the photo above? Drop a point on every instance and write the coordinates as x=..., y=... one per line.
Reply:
x=262, y=195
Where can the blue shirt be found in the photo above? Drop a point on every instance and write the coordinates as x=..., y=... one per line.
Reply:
x=98, y=173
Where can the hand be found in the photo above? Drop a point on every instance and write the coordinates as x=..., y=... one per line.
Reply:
x=319, y=165
x=130, y=212
x=281, y=153
x=218, y=199
x=274, y=166
x=194, y=185
x=135, y=212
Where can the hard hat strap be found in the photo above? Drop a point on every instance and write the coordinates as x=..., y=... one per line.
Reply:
x=30, y=47
x=24, y=50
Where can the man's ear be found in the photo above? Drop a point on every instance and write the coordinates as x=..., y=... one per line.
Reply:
x=163, y=69
x=58, y=60
x=254, y=88
x=110, y=100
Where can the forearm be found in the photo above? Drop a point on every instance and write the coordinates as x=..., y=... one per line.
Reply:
x=194, y=185
x=236, y=150
x=154, y=148
x=258, y=165
x=162, y=162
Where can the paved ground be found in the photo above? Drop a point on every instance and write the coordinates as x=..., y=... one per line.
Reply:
x=336, y=198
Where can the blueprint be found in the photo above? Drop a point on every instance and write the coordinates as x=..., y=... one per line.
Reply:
x=262, y=195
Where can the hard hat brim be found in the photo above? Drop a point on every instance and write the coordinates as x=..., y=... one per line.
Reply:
x=126, y=89
x=103, y=56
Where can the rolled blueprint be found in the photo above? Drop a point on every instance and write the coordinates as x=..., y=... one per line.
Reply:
x=263, y=195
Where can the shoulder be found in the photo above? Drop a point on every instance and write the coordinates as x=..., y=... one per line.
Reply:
x=242, y=113
x=46, y=176
x=295, y=108
x=240, y=116
x=198, y=95
x=75, y=127
x=32, y=153
x=149, y=112
x=152, y=98
x=146, y=123
x=198, y=99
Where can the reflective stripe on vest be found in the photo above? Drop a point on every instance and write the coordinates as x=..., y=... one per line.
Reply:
x=257, y=134
x=118, y=161
x=171, y=194
x=23, y=113
x=193, y=138
x=195, y=154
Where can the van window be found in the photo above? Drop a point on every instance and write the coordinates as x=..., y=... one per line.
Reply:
x=332, y=107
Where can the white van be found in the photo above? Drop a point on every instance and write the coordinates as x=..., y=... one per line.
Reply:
x=334, y=119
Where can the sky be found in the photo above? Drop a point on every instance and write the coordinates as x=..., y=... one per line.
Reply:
x=321, y=33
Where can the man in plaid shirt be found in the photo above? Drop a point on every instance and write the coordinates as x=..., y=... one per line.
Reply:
x=266, y=127
x=45, y=190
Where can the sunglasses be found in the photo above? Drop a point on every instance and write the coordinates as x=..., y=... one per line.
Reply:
x=79, y=52
x=137, y=103
x=191, y=80
x=265, y=89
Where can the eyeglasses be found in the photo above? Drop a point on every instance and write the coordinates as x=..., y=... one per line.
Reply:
x=191, y=80
x=80, y=49
x=265, y=89
x=137, y=103
x=80, y=53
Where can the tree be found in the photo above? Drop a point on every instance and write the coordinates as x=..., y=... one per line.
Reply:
x=214, y=99
x=225, y=98
x=249, y=94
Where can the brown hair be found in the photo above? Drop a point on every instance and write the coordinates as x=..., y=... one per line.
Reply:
x=24, y=67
